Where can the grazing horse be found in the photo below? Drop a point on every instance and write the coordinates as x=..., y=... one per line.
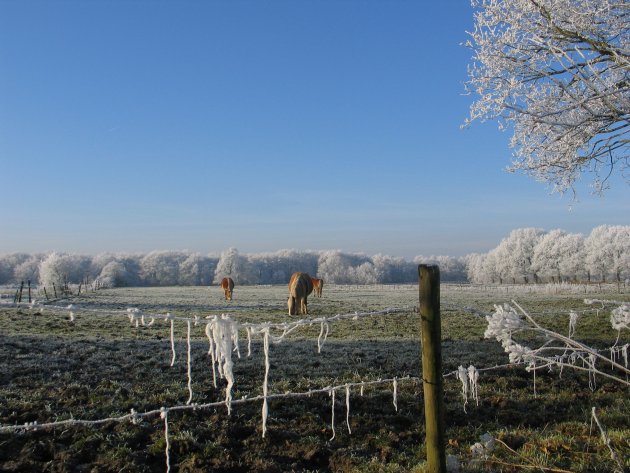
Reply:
x=227, y=284
x=318, y=284
x=300, y=286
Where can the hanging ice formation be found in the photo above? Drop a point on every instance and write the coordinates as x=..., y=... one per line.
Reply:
x=222, y=333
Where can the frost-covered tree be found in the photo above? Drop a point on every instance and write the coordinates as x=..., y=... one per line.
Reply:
x=117, y=269
x=62, y=268
x=365, y=273
x=608, y=251
x=451, y=269
x=515, y=253
x=100, y=261
x=548, y=255
x=621, y=251
x=474, y=268
x=161, y=268
x=8, y=263
x=558, y=73
x=341, y=268
x=29, y=270
x=394, y=270
x=573, y=256
x=115, y=274
x=277, y=267
x=197, y=270
x=491, y=267
x=6, y=270
x=231, y=264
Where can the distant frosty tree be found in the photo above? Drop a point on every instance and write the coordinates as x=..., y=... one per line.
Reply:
x=451, y=269
x=277, y=267
x=8, y=263
x=621, y=251
x=29, y=270
x=197, y=270
x=558, y=72
x=573, y=255
x=114, y=274
x=62, y=268
x=608, y=251
x=161, y=268
x=474, y=268
x=365, y=273
x=548, y=255
x=491, y=267
x=6, y=271
x=231, y=264
x=342, y=268
x=514, y=254
x=126, y=271
x=392, y=270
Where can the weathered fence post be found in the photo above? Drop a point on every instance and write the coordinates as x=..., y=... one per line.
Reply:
x=21, y=289
x=432, y=380
x=29, y=291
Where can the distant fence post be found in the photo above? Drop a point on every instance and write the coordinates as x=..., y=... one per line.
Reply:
x=432, y=378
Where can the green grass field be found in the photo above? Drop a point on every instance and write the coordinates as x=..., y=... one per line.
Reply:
x=100, y=365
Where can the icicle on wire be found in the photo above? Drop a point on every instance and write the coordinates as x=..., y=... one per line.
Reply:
x=473, y=379
x=211, y=352
x=190, y=391
x=462, y=375
x=320, y=343
x=265, y=407
x=332, y=416
x=170, y=317
x=164, y=415
x=573, y=318
x=348, y=408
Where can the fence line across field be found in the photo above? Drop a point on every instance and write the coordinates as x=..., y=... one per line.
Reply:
x=138, y=315
x=223, y=331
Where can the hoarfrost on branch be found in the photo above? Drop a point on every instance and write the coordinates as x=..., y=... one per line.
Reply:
x=558, y=73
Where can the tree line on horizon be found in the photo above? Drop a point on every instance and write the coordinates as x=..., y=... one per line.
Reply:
x=526, y=255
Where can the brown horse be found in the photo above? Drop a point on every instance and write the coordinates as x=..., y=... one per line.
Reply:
x=228, y=286
x=318, y=284
x=300, y=286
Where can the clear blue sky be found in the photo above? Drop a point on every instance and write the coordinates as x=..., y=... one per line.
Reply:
x=200, y=125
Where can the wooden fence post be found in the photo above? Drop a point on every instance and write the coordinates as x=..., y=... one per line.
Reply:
x=29, y=291
x=21, y=289
x=432, y=378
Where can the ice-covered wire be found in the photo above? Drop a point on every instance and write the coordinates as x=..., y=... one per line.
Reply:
x=606, y=441
x=135, y=416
